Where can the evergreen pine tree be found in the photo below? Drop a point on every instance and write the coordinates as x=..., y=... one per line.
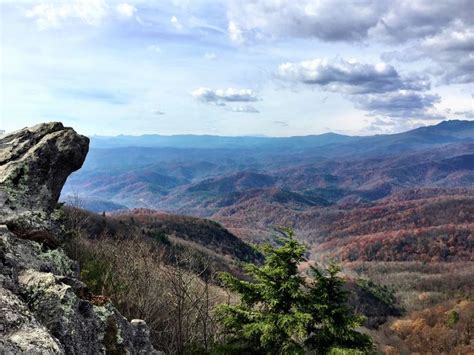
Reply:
x=280, y=312
x=333, y=324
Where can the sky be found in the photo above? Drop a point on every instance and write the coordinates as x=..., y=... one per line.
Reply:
x=236, y=67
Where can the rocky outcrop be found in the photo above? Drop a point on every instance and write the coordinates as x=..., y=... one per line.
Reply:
x=34, y=165
x=44, y=308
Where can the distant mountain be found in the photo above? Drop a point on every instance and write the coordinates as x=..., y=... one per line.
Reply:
x=94, y=204
x=217, y=142
x=238, y=182
x=202, y=175
x=446, y=131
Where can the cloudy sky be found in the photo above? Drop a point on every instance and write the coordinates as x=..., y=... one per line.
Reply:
x=240, y=67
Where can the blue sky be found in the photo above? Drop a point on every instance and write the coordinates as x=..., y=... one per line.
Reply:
x=238, y=67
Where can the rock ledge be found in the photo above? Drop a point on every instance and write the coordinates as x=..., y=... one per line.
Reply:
x=42, y=304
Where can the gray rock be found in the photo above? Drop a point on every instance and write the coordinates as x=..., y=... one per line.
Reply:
x=20, y=330
x=35, y=163
x=141, y=338
x=44, y=307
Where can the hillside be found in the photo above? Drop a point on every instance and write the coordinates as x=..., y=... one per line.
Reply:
x=204, y=236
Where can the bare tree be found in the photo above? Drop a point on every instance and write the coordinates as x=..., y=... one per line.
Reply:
x=173, y=292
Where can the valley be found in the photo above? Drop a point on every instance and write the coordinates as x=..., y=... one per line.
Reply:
x=314, y=184
x=395, y=209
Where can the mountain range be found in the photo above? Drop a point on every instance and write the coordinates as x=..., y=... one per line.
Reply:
x=200, y=175
x=315, y=184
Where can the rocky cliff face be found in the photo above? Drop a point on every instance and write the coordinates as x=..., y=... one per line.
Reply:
x=44, y=308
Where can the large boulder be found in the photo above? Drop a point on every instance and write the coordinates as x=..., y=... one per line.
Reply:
x=34, y=165
x=44, y=307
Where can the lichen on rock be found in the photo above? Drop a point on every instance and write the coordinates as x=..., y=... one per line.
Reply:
x=44, y=306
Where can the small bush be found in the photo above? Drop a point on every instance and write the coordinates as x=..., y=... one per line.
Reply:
x=381, y=292
x=452, y=318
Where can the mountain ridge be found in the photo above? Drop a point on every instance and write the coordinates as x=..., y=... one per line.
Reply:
x=199, y=181
x=207, y=141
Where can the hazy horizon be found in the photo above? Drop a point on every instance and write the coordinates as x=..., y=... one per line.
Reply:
x=256, y=135
x=268, y=136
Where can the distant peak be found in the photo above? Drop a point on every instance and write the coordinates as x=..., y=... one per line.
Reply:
x=455, y=123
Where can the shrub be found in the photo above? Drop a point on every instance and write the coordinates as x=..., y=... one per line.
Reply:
x=381, y=292
x=452, y=318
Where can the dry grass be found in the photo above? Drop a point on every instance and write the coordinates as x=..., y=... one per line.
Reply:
x=420, y=285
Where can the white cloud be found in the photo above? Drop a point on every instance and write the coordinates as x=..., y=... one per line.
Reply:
x=456, y=39
x=376, y=88
x=175, y=22
x=417, y=19
x=465, y=114
x=126, y=10
x=438, y=31
x=53, y=15
x=400, y=104
x=235, y=33
x=245, y=109
x=389, y=125
x=331, y=20
x=325, y=19
x=90, y=12
x=221, y=96
x=349, y=76
x=451, y=51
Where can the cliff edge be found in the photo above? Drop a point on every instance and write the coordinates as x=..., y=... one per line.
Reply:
x=44, y=307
